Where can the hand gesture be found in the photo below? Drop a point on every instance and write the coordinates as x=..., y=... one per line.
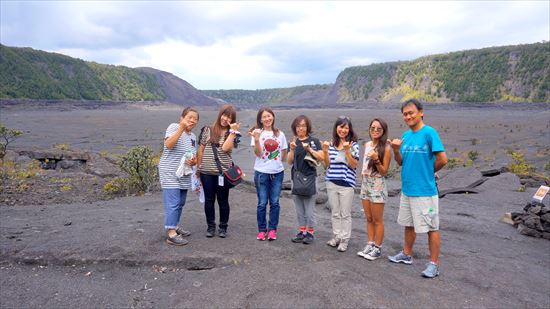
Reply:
x=396, y=143
x=183, y=124
x=373, y=155
x=256, y=133
x=235, y=126
x=325, y=146
x=346, y=146
x=306, y=146
x=293, y=144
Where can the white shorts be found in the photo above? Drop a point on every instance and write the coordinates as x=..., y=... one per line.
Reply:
x=422, y=212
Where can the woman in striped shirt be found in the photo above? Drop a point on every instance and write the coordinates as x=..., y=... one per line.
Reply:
x=222, y=134
x=341, y=157
x=178, y=141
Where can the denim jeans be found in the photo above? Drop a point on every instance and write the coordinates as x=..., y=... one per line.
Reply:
x=174, y=200
x=211, y=192
x=268, y=189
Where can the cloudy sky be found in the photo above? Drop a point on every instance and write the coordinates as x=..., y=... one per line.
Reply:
x=268, y=44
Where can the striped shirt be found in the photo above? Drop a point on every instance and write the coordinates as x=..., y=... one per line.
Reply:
x=208, y=163
x=339, y=170
x=171, y=158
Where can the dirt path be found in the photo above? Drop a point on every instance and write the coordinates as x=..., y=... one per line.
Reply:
x=112, y=254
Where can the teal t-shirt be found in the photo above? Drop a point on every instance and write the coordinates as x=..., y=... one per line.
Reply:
x=417, y=169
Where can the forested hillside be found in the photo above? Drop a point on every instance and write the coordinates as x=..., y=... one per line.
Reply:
x=509, y=73
x=26, y=73
x=518, y=73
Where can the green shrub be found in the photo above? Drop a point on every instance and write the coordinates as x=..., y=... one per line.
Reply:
x=472, y=155
x=519, y=165
x=454, y=162
x=117, y=186
x=6, y=137
x=140, y=163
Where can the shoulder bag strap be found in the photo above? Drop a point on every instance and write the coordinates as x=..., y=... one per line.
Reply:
x=218, y=163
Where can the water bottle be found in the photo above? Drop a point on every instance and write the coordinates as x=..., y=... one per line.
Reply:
x=188, y=170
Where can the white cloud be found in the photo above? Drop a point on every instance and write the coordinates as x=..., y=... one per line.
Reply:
x=234, y=44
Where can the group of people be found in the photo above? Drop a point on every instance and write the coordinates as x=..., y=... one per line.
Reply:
x=419, y=152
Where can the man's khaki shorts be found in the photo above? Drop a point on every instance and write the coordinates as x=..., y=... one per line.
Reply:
x=422, y=212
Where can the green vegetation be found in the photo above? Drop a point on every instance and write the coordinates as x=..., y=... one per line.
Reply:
x=140, y=163
x=264, y=96
x=508, y=73
x=33, y=74
x=473, y=155
x=519, y=165
x=6, y=137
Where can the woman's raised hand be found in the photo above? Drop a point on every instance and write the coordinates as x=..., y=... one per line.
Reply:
x=235, y=126
x=325, y=146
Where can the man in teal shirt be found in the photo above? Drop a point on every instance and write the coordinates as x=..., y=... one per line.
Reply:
x=420, y=153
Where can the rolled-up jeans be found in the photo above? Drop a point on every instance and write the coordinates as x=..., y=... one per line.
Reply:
x=268, y=189
x=173, y=200
x=340, y=199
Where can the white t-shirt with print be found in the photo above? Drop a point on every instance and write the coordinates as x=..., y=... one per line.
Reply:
x=271, y=159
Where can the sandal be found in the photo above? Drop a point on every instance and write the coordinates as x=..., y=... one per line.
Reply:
x=177, y=240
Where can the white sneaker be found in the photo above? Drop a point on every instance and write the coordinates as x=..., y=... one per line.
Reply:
x=374, y=253
x=368, y=248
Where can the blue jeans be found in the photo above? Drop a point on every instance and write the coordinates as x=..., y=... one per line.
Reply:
x=174, y=200
x=268, y=188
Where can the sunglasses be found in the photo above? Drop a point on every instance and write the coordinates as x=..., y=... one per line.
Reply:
x=375, y=129
x=344, y=118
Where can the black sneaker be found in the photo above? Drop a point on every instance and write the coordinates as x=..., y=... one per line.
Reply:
x=222, y=233
x=210, y=232
x=299, y=237
x=308, y=239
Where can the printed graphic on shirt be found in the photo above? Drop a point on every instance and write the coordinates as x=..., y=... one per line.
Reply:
x=271, y=149
x=416, y=148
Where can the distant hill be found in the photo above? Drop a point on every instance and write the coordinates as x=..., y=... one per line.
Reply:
x=26, y=73
x=311, y=95
x=518, y=73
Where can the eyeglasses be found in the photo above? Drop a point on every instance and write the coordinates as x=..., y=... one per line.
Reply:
x=375, y=129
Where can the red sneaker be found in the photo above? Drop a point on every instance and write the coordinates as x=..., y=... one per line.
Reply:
x=261, y=236
x=272, y=235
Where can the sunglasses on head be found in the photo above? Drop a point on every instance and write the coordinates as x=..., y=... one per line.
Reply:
x=344, y=118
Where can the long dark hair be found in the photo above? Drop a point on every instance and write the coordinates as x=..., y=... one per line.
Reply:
x=216, y=132
x=259, y=124
x=382, y=141
x=351, y=137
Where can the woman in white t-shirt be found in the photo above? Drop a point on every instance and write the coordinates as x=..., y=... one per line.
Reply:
x=270, y=147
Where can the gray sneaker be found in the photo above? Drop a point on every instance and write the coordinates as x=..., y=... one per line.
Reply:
x=368, y=248
x=431, y=271
x=333, y=242
x=401, y=257
x=374, y=253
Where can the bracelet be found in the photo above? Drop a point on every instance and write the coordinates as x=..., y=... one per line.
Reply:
x=231, y=131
